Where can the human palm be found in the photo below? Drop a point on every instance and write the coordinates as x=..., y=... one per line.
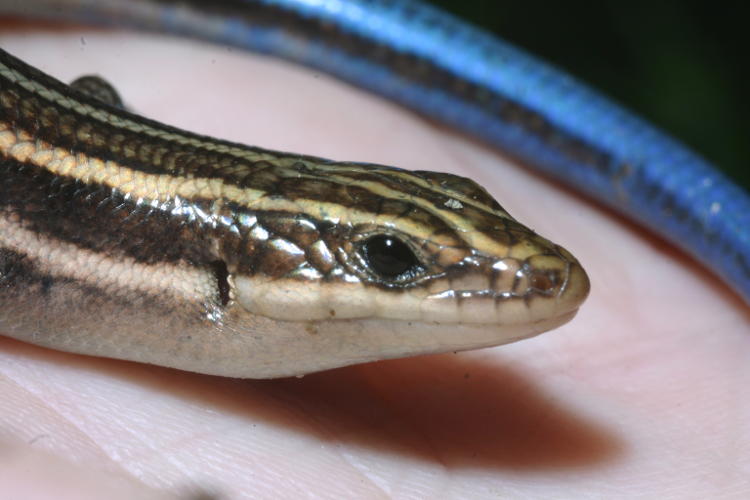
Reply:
x=641, y=395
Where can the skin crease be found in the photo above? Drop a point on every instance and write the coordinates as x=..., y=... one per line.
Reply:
x=642, y=395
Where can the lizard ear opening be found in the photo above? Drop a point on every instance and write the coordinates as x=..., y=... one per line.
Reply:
x=221, y=275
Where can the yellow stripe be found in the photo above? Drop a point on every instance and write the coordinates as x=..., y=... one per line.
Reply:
x=104, y=116
x=166, y=188
x=245, y=153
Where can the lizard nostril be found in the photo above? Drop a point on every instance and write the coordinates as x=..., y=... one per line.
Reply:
x=541, y=282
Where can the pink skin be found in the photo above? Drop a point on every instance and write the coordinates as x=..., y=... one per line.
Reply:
x=644, y=393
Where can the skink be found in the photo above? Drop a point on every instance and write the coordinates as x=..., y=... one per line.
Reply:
x=407, y=51
x=127, y=238
x=455, y=73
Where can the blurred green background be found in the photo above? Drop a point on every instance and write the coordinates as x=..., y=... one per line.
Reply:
x=681, y=65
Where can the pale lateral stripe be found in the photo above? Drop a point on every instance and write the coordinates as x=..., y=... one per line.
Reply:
x=60, y=259
x=166, y=188
x=106, y=117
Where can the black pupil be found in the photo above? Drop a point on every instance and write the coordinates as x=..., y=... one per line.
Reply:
x=388, y=257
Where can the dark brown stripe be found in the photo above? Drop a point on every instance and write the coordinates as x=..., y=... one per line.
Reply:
x=65, y=128
x=100, y=219
x=97, y=218
x=73, y=211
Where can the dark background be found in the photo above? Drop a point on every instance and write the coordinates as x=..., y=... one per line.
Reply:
x=681, y=65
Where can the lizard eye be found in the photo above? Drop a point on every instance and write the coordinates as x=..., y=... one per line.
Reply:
x=390, y=258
